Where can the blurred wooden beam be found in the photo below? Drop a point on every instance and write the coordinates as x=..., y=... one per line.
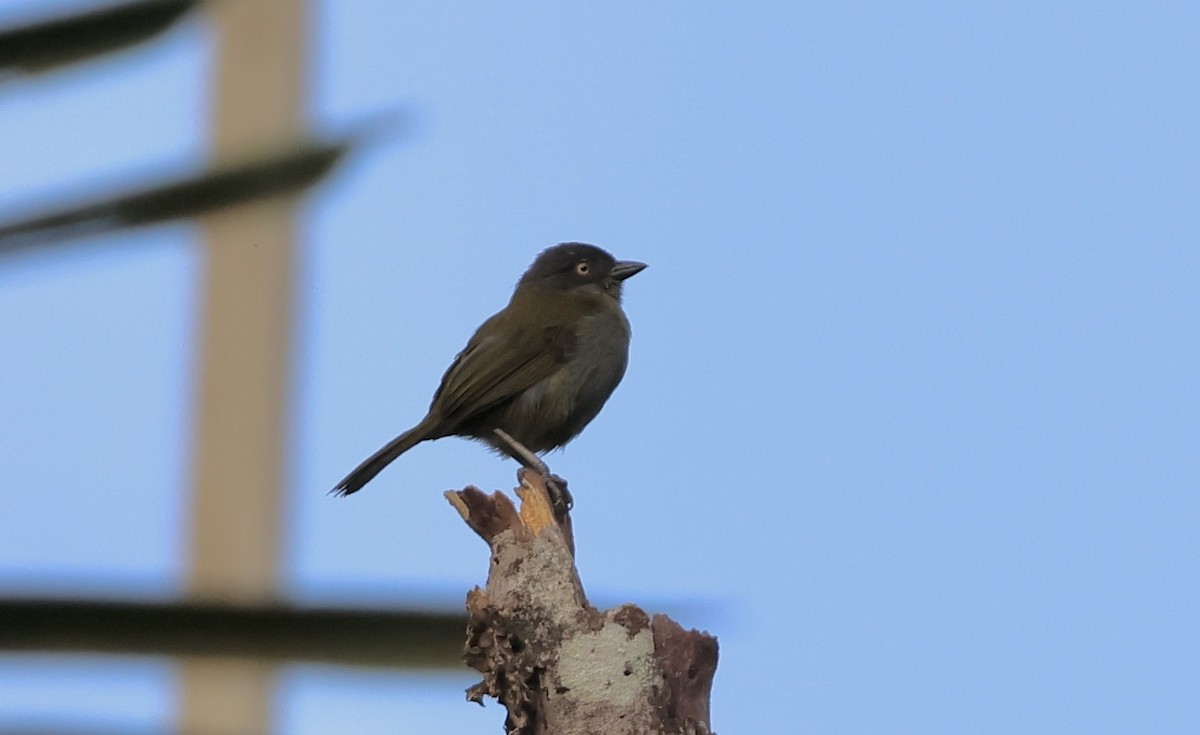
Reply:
x=246, y=321
x=269, y=633
x=45, y=45
x=246, y=315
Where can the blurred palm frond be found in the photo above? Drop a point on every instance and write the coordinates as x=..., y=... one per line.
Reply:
x=50, y=44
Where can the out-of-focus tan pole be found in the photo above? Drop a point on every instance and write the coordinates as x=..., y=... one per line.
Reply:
x=243, y=376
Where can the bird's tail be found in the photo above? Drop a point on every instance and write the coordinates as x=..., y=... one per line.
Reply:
x=374, y=464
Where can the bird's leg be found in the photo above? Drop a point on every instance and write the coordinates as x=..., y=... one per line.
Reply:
x=557, y=486
x=521, y=453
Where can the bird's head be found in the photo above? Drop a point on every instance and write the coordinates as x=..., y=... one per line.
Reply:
x=577, y=267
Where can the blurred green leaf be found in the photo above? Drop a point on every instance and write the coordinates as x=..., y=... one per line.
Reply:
x=58, y=42
x=292, y=169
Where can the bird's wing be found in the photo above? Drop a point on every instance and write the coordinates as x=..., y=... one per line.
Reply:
x=498, y=367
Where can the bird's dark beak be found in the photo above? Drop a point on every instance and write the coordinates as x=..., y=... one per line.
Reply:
x=625, y=268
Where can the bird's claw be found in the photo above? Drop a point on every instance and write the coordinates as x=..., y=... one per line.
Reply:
x=560, y=496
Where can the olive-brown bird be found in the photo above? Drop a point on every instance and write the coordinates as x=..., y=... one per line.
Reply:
x=540, y=369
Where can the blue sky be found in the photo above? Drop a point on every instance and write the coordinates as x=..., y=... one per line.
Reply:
x=911, y=418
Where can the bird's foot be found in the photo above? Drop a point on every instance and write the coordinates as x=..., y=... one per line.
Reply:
x=559, y=494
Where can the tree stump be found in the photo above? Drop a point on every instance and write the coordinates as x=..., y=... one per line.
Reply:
x=559, y=665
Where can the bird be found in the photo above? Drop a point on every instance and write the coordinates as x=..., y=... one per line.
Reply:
x=540, y=369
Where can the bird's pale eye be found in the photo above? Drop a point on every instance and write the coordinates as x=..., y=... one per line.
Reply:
x=582, y=268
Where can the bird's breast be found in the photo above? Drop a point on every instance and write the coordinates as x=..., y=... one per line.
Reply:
x=568, y=400
x=600, y=356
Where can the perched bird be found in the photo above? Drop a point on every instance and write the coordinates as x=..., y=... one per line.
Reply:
x=540, y=369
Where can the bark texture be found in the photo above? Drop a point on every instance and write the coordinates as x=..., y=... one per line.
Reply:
x=555, y=662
